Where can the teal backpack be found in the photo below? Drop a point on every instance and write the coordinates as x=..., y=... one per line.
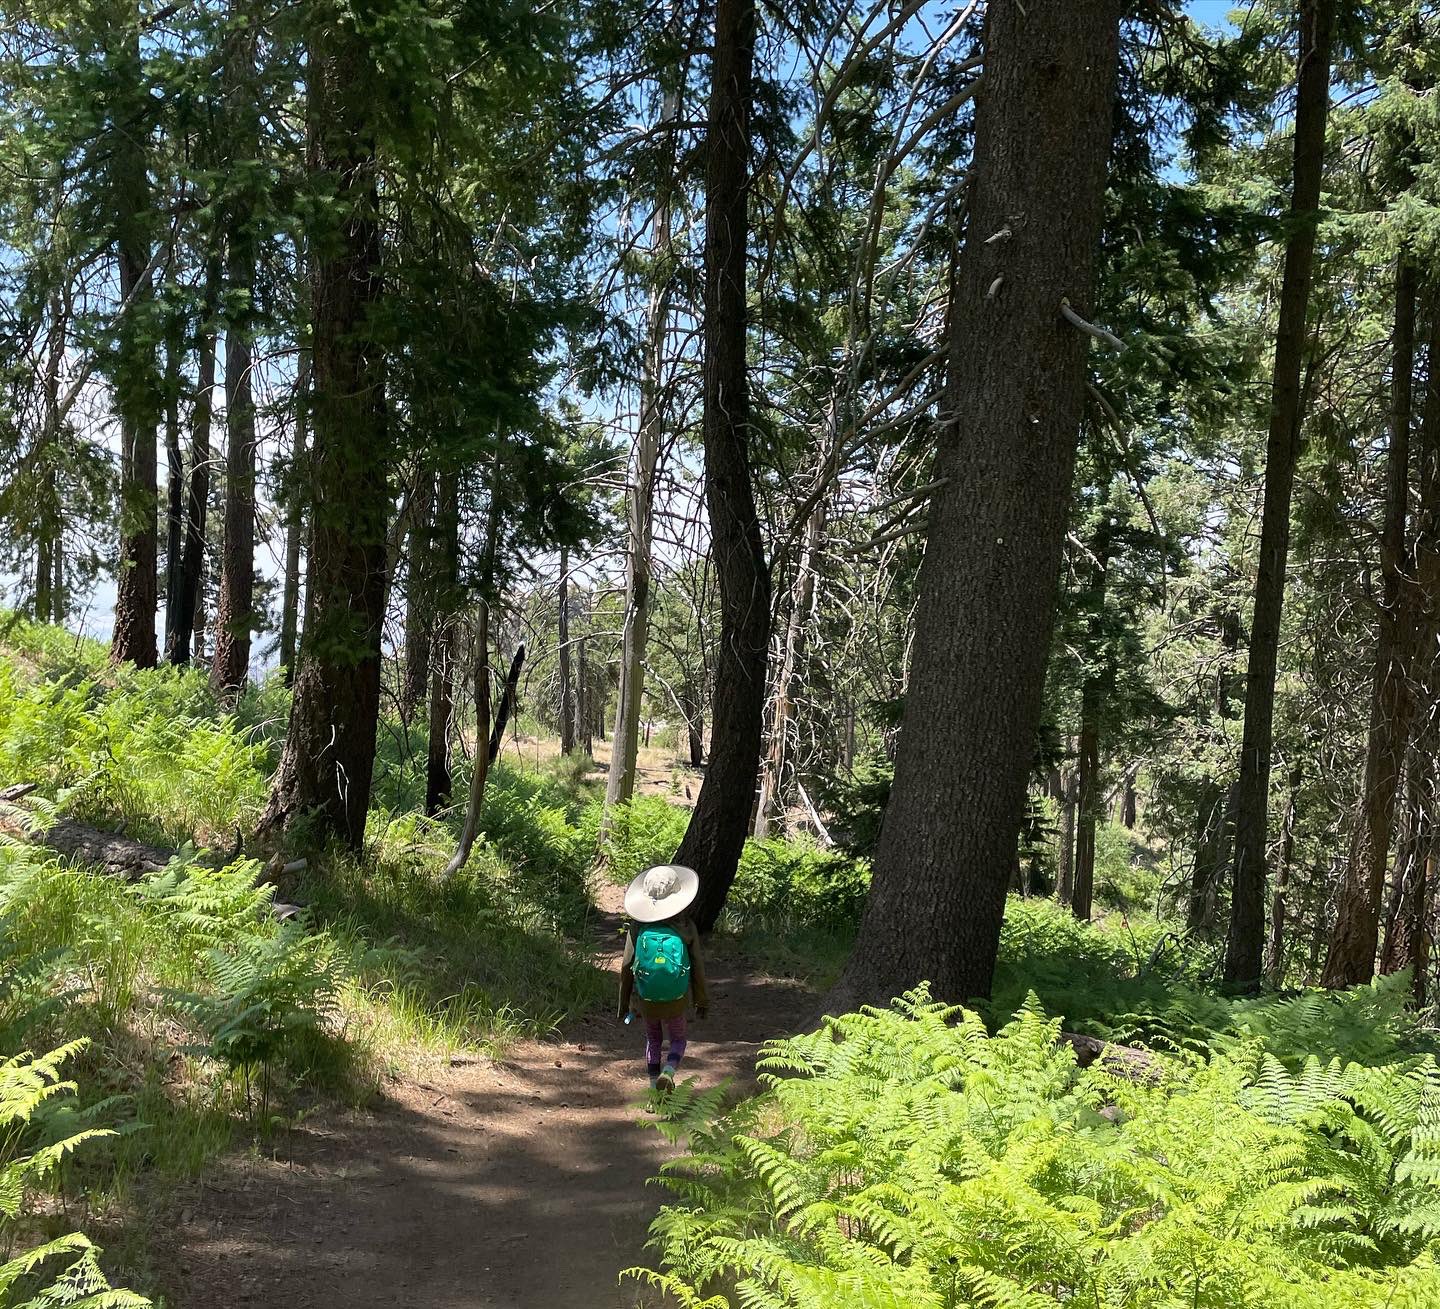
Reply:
x=662, y=964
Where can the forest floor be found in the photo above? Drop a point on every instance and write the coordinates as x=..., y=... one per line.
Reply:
x=517, y=1184
x=658, y=770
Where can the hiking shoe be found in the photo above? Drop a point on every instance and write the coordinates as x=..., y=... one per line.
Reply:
x=665, y=1083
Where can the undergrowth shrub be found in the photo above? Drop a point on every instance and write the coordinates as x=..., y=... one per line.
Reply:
x=1126, y=876
x=794, y=882
x=189, y=960
x=1131, y=980
x=645, y=831
x=267, y=997
x=146, y=748
x=908, y=1159
x=498, y=960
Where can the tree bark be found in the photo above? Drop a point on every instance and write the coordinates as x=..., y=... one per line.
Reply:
x=583, y=717
x=640, y=501
x=1092, y=702
x=175, y=477
x=137, y=398
x=1088, y=801
x=1275, y=949
x=1210, y=815
x=508, y=698
x=329, y=755
x=475, y=801
x=1407, y=935
x=187, y=597
x=1065, y=871
x=1356, y=937
x=235, y=612
x=771, y=806
x=694, y=721
x=567, y=676
x=50, y=605
x=1244, y=948
x=987, y=587
x=419, y=598
x=443, y=664
x=295, y=522
x=480, y=768
x=716, y=834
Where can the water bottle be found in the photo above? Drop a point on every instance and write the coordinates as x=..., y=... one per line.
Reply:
x=629, y=1017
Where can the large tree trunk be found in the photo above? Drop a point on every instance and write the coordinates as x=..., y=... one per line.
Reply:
x=235, y=613
x=567, y=676
x=295, y=522
x=1355, y=939
x=1244, y=949
x=442, y=658
x=197, y=502
x=1407, y=934
x=771, y=806
x=235, y=618
x=329, y=756
x=988, y=583
x=1405, y=920
x=137, y=395
x=1357, y=924
x=718, y=827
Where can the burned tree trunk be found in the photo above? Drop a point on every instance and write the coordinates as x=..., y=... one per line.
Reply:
x=443, y=655
x=507, y=702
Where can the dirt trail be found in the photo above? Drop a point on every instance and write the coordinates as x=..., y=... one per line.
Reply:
x=519, y=1185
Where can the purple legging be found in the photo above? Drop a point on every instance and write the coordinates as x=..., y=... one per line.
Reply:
x=675, y=1029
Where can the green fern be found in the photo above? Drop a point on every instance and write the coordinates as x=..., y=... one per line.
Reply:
x=264, y=990
x=909, y=1157
x=66, y=1269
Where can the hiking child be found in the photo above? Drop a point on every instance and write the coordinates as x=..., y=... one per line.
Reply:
x=662, y=973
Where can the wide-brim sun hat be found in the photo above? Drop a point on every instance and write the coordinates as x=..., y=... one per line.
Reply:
x=661, y=892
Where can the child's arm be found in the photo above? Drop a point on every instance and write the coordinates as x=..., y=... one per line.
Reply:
x=627, y=974
x=698, y=987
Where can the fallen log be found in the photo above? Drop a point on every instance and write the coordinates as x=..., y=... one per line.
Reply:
x=79, y=843
x=1125, y=1061
x=112, y=853
x=82, y=844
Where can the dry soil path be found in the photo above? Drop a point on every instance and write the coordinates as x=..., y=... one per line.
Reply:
x=514, y=1185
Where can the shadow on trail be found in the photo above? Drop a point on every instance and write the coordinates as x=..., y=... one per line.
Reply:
x=502, y=1186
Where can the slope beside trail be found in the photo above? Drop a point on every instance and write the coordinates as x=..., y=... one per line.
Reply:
x=511, y=1185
